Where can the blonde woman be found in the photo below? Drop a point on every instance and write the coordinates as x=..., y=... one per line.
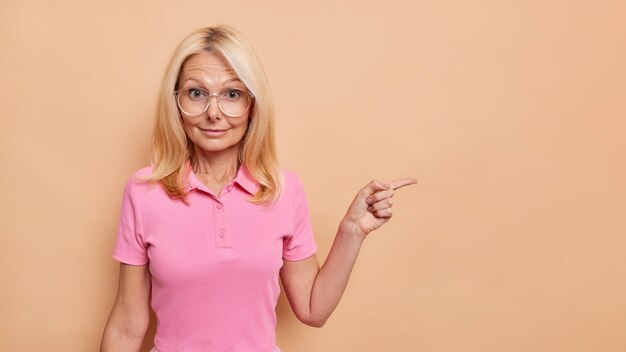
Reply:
x=206, y=230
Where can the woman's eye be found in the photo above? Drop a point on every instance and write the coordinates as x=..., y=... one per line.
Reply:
x=233, y=93
x=194, y=93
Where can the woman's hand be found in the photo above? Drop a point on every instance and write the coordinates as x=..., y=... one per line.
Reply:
x=371, y=207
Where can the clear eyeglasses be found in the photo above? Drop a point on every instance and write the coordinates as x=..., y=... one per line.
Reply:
x=194, y=101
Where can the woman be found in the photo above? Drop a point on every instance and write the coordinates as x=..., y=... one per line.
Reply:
x=209, y=226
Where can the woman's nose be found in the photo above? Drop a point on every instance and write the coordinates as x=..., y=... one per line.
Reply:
x=214, y=109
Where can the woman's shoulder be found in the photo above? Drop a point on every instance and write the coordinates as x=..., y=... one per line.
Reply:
x=140, y=178
x=291, y=178
x=144, y=172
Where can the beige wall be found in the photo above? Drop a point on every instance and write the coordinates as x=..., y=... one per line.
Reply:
x=509, y=113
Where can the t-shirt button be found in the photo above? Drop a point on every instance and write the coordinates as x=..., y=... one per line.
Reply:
x=219, y=206
x=229, y=188
x=222, y=234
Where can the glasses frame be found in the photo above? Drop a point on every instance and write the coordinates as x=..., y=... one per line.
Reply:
x=217, y=97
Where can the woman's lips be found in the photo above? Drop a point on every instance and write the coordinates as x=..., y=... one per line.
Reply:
x=213, y=133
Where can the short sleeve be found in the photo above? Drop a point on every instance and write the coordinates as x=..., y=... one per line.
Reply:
x=129, y=246
x=301, y=244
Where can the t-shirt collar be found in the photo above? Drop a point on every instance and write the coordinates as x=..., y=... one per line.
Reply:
x=243, y=178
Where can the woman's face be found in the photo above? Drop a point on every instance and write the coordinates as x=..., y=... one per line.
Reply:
x=212, y=131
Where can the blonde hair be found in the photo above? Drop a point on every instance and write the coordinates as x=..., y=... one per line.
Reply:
x=172, y=150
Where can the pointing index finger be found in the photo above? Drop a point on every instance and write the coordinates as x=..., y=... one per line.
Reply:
x=401, y=182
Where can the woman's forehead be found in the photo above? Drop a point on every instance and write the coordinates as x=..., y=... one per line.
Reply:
x=208, y=62
x=207, y=67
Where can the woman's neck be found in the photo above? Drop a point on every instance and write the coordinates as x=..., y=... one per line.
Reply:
x=218, y=166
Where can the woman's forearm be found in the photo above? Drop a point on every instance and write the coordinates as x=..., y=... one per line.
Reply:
x=115, y=339
x=334, y=274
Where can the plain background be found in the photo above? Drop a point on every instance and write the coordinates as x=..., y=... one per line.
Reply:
x=510, y=114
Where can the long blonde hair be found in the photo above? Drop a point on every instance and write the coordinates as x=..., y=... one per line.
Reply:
x=172, y=149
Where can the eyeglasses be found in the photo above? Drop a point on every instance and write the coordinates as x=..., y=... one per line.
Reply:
x=195, y=101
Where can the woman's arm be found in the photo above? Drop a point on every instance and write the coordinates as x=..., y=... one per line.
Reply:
x=130, y=316
x=314, y=292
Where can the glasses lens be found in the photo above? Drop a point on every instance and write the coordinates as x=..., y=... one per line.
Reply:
x=193, y=101
x=234, y=102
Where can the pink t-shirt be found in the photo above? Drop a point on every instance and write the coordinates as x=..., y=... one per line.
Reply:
x=215, y=263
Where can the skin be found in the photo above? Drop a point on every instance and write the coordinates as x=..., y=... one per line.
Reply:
x=216, y=161
x=313, y=291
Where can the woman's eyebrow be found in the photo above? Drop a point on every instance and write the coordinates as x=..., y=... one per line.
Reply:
x=235, y=79
x=191, y=78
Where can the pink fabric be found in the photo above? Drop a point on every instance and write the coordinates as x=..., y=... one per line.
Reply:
x=215, y=263
x=154, y=349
